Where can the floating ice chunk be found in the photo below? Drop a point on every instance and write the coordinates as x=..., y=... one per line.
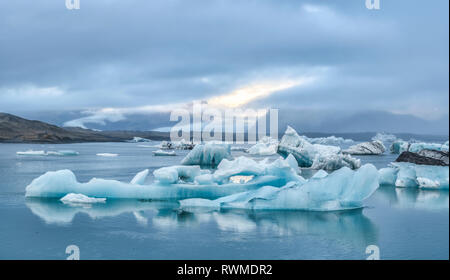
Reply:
x=209, y=154
x=32, y=153
x=76, y=198
x=330, y=140
x=401, y=146
x=48, y=153
x=266, y=146
x=403, y=174
x=180, y=145
x=315, y=156
x=343, y=189
x=164, y=153
x=367, y=148
x=107, y=155
x=139, y=179
x=139, y=140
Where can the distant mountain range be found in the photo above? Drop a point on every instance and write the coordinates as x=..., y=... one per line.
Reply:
x=14, y=129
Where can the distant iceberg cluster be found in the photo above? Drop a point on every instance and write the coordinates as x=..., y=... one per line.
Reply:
x=61, y=153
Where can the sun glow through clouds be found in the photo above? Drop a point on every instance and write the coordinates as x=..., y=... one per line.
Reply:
x=249, y=93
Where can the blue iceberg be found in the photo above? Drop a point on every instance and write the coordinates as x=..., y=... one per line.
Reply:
x=405, y=174
x=209, y=154
x=315, y=156
x=401, y=146
x=343, y=189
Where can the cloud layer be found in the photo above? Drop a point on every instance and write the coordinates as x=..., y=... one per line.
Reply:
x=138, y=57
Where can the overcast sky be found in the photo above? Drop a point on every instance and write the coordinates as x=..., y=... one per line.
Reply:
x=143, y=56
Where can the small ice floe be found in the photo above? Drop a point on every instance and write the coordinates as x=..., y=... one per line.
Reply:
x=77, y=198
x=164, y=153
x=107, y=155
x=48, y=153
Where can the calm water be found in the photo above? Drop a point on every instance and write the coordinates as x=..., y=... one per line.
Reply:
x=403, y=223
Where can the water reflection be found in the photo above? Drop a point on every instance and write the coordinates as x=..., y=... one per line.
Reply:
x=352, y=226
x=415, y=198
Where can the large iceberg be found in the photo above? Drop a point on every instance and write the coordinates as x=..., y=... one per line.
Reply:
x=343, y=189
x=404, y=174
x=208, y=154
x=367, y=148
x=266, y=146
x=401, y=146
x=315, y=156
x=173, y=182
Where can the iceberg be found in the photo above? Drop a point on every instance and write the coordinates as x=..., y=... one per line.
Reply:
x=343, y=189
x=315, y=156
x=76, y=198
x=164, y=153
x=425, y=157
x=367, y=148
x=266, y=146
x=209, y=154
x=107, y=155
x=48, y=153
x=401, y=146
x=173, y=182
x=330, y=140
x=180, y=145
x=404, y=174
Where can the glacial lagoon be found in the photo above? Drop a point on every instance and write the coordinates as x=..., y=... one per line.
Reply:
x=405, y=223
